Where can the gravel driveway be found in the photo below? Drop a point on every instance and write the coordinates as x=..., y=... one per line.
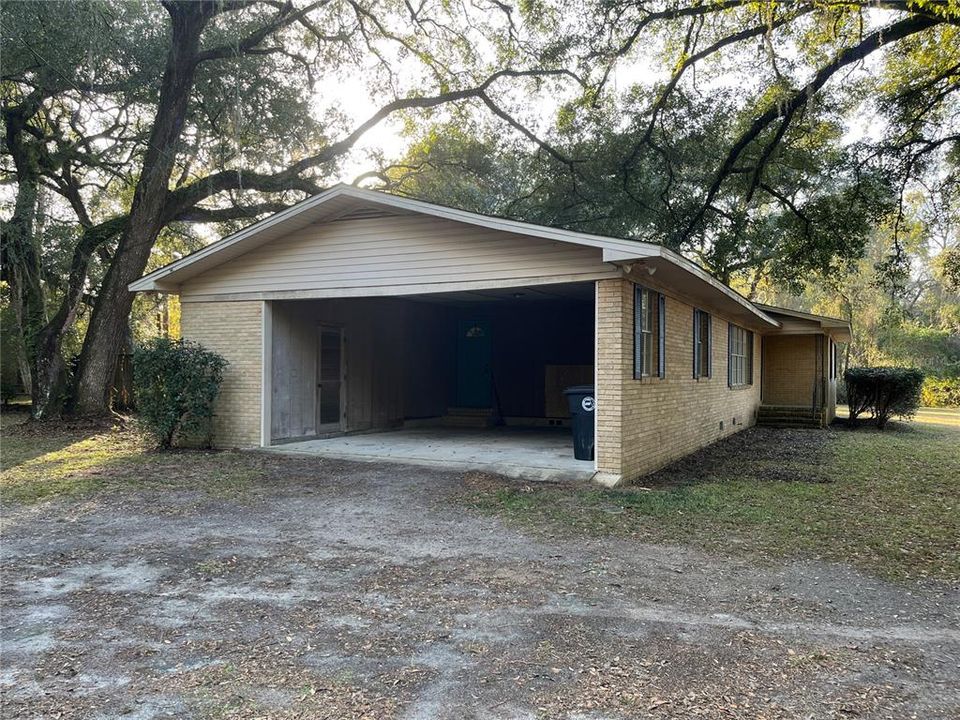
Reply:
x=354, y=590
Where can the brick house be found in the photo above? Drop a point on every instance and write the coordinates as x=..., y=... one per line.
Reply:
x=356, y=312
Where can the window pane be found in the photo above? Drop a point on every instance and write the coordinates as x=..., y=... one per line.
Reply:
x=704, y=345
x=330, y=356
x=740, y=356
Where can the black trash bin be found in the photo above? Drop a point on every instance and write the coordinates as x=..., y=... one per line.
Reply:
x=582, y=402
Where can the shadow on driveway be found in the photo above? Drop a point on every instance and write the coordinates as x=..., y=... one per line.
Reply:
x=343, y=590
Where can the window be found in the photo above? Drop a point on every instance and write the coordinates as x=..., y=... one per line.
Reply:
x=739, y=357
x=833, y=360
x=648, y=336
x=701, y=344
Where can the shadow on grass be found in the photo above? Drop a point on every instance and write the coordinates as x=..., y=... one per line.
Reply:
x=885, y=501
x=42, y=461
x=758, y=454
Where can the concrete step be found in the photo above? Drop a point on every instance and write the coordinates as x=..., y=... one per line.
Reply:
x=783, y=411
x=467, y=421
x=788, y=424
x=469, y=412
x=788, y=417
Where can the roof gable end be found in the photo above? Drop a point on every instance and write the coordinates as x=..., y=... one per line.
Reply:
x=347, y=202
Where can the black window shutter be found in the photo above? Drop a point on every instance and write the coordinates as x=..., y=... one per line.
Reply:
x=709, y=320
x=662, y=334
x=696, y=336
x=637, y=332
x=729, y=355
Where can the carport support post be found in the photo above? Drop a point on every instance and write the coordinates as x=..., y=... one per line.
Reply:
x=613, y=353
x=266, y=365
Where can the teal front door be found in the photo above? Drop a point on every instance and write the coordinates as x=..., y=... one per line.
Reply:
x=473, y=364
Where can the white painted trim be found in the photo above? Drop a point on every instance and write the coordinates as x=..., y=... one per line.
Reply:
x=830, y=325
x=832, y=321
x=266, y=377
x=399, y=290
x=683, y=263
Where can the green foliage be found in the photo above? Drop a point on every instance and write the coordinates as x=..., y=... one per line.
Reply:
x=949, y=268
x=621, y=186
x=940, y=392
x=884, y=391
x=176, y=382
x=936, y=351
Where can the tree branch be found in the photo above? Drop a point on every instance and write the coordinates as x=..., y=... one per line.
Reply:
x=285, y=16
x=787, y=109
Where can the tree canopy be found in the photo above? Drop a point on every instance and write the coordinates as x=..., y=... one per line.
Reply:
x=769, y=141
x=212, y=111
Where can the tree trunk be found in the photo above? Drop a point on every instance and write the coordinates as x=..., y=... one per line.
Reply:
x=111, y=312
x=22, y=257
x=23, y=261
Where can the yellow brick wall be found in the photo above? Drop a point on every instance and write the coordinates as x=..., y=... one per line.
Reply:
x=789, y=369
x=233, y=329
x=645, y=424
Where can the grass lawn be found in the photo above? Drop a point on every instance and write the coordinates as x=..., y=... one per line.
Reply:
x=67, y=460
x=887, y=502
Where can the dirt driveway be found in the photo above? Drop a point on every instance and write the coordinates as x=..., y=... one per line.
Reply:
x=367, y=591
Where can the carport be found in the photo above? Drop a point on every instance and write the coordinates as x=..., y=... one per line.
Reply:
x=357, y=312
x=470, y=379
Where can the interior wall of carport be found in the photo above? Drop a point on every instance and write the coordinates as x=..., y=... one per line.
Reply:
x=401, y=357
x=527, y=337
x=388, y=344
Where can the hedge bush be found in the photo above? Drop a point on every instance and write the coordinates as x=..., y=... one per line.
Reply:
x=175, y=383
x=940, y=392
x=884, y=391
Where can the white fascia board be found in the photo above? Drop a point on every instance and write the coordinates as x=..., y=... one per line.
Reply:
x=694, y=269
x=614, y=249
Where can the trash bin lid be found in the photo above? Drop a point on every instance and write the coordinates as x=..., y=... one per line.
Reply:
x=579, y=390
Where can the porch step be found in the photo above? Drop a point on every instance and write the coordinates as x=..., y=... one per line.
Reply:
x=788, y=417
x=469, y=417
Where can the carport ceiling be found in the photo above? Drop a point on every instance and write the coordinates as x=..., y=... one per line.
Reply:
x=583, y=291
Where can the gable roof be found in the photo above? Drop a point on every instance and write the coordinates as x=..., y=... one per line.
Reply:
x=836, y=327
x=342, y=201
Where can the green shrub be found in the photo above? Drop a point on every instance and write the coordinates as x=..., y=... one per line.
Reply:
x=175, y=383
x=884, y=391
x=940, y=392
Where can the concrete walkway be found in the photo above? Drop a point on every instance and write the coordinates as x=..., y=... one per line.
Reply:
x=526, y=453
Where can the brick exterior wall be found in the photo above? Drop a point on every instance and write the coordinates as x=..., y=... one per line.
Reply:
x=235, y=330
x=789, y=369
x=645, y=424
x=793, y=367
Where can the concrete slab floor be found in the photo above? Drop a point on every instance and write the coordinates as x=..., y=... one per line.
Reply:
x=526, y=453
